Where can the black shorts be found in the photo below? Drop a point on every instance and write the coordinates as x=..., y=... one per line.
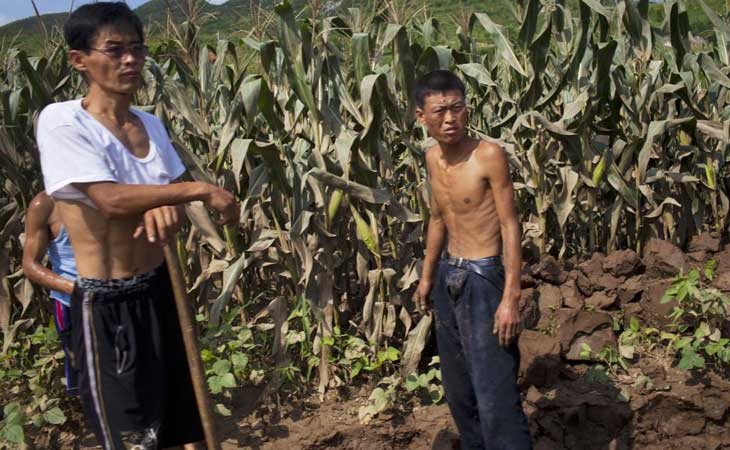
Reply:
x=134, y=380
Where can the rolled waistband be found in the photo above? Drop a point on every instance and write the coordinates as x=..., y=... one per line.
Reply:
x=489, y=261
x=121, y=286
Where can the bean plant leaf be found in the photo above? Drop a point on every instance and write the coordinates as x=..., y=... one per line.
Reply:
x=55, y=416
x=691, y=360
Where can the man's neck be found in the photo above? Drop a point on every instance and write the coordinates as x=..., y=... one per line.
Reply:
x=457, y=150
x=111, y=106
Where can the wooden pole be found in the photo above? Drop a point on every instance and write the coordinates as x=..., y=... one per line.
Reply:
x=190, y=338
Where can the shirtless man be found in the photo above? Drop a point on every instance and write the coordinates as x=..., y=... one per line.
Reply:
x=475, y=297
x=109, y=167
x=45, y=234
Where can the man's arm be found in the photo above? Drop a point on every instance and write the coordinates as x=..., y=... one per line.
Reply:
x=161, y=223
x=435, y=239
x=117, y=201
x=36, y=245
x=507, y=317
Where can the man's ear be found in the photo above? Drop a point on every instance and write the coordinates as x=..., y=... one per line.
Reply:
x=420, y=116
x=77, y=60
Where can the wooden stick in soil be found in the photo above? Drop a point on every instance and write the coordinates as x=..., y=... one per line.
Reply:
x=190, y=339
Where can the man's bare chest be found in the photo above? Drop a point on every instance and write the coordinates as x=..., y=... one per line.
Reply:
x=132, y=136
x=459, y=190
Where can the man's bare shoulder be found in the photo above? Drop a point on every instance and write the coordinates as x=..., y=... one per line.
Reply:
x=433, y=151
x=39, y=213
x=432, y=154
x=42, y=203
x=487, y=151
x=491, y=156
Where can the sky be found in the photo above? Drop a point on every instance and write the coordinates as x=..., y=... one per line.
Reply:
x=11, y=10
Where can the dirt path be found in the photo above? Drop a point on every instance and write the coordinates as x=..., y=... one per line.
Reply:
x=577, y=413
x=305, y=424
x=334, y=424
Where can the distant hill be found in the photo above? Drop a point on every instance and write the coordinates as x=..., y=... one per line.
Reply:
x=156, y=11
x=231, y=18
x=29, y=33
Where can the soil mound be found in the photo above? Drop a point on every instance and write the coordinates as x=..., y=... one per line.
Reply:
x=651, y=405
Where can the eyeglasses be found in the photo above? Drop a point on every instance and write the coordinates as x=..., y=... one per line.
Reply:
x=118, y=51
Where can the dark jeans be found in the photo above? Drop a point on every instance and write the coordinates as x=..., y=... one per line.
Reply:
x=479, y=376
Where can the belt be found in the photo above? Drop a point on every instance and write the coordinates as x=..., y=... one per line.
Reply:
x=477, y=266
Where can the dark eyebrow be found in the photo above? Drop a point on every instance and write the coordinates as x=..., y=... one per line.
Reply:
x=116, y=42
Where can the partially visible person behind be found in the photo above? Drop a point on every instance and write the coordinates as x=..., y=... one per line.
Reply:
x=108, y=167
x=46, y=235
x=475, y=296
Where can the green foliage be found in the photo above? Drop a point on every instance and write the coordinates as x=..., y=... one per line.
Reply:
x=11, y=427
x=227, y=352
x=597, y=374
x=391, y=391
x=30, y=372
x=381, y=399
x=636, y=339
x=697, y=320
x=430, y=382
x=361, y=358
x=234, y=16
x=608, y=357
x=613, y=121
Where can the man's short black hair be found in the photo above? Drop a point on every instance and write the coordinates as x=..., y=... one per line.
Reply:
x=83, y=24
x=436, y=81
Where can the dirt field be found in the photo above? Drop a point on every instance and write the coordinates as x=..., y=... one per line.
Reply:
x=334, y=424
x=651, y=405
x=304, y=424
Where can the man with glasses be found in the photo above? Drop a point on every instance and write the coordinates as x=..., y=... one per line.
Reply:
x=115, y=179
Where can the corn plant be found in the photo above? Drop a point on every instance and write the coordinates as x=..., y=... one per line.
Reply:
x=617, y=132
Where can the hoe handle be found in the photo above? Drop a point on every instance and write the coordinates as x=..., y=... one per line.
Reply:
x=190, y=339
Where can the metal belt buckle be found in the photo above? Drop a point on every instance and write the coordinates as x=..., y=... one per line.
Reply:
x=460, y=262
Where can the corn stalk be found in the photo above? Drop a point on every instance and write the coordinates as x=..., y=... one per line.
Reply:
x=617, y=132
